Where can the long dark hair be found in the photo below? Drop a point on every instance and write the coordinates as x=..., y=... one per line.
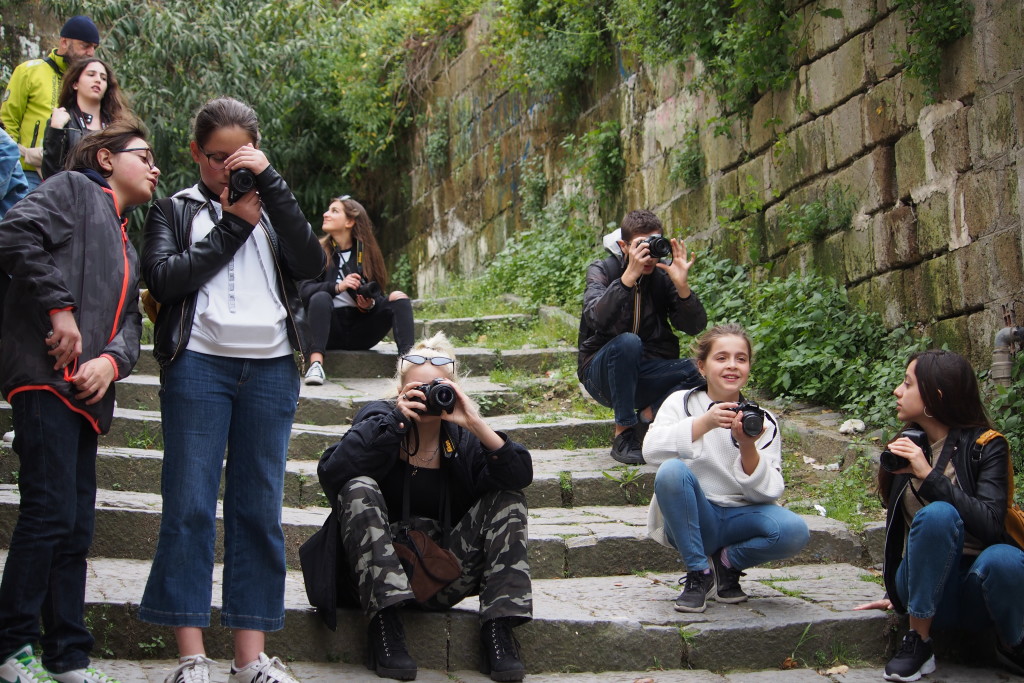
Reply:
x=112, y=106
x=950, y=393
x=362, y=231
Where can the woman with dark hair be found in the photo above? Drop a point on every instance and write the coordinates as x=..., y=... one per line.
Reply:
x=350, y=307
x=90, y=100
x=223, y=266
x=71, y=328
x=948, y=559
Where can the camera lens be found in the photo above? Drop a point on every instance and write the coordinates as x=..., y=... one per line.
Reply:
x=242, y=180
x=890, y=462
x=659, y=246
x=753, y=423
x=441, y=397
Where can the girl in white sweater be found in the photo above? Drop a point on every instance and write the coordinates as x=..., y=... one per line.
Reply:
x=714, y=494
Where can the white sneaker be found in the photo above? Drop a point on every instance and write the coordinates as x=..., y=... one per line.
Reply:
x=263, y=670
x=191, y=669
x=87, y=675
x=9, y=437
x=315, y=375
x=24, y=667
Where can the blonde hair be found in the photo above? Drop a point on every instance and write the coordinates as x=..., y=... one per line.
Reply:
x=436, y=346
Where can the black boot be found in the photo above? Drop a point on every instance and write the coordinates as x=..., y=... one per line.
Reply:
x=385, y=647
x=500, y=651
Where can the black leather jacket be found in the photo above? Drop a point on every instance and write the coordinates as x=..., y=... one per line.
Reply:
x=610, y=309
x=979, y=497
x=175, y=269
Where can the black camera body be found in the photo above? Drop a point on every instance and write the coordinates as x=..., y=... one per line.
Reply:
x=753, y=417
x=369, y=289
x=240, y=182
x=890, y=462
x=440, y=397
x=660, y=246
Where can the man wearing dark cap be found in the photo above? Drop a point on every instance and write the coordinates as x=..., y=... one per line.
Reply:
x=34, y=87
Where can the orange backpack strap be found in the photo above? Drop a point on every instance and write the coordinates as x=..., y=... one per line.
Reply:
x=986, y=437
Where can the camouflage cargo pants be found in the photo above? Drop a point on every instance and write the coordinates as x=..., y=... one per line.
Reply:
x=490, y=542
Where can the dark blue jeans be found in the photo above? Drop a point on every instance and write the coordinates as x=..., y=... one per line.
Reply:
x=209, y=404
x=619, y=377
x=45, y=571
x=936, y=580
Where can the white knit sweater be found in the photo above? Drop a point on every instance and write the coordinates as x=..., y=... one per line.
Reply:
x=713, y=459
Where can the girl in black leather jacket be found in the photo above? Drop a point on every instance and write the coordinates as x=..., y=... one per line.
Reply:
x=948, y=560
x=223, y=267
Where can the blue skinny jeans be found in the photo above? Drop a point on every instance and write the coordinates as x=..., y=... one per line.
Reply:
x=696, y=527
x=936, y=580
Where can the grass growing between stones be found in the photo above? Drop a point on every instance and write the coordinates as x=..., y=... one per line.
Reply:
x=850, y=497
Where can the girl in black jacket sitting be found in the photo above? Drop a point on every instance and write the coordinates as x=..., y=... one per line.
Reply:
x=350, y=308
x=948, y=560
x=443, y=472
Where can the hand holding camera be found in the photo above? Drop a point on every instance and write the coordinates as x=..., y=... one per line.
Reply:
x=909, y=450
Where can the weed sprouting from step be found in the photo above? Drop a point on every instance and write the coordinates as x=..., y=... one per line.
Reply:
x=565, y=485
x=629, y=480
x=872, y=578
x=152, y=647
x=144, y=439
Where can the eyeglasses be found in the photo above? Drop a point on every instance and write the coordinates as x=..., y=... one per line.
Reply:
x=216, y=159
x=148, y=158
x=436, y=360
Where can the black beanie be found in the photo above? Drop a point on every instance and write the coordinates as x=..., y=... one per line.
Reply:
x=81, y=28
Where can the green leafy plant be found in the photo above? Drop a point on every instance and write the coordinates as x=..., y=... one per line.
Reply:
x=688, y=162
x=815, y=220
x=597, y=154
x=931, y=26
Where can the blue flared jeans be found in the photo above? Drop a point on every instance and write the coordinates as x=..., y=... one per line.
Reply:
x=210, y=404
x=44, y=576
x=936, y=580
x=618, y=377
x=696, y=527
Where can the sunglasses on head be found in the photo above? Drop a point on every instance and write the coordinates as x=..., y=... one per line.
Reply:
x=420, y=360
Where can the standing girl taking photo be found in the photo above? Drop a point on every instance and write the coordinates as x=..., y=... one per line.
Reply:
x=223, y=267
x=715, y=497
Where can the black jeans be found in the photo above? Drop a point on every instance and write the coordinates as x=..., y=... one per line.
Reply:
x=45, y=571
x=351, y=330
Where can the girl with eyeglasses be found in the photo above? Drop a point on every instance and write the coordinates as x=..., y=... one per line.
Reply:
x=90, y=100
x=71, y=328
x=224, y=270
x=350, y=307
x=446, y=473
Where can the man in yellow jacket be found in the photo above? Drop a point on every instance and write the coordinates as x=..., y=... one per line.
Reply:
x=34, y=87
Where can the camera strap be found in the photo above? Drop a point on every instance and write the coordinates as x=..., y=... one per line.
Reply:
x=704, y=387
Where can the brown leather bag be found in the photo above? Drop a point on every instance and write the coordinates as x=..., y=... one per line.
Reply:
x=428, y=566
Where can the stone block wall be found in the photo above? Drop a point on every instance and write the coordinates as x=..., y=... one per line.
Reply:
x=936, y=239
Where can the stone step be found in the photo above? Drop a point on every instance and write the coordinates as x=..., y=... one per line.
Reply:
x=622, y=623
x=380, y=361
x=470, y=328
x=562, y=478
x=576, y=542
x=337, y=401
x=141, y=429
x=155, y=671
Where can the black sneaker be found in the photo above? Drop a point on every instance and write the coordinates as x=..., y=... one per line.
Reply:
x=1010, y=658
x=728, y=581
x=627, y=450
x=696, y=586
x=913, y=660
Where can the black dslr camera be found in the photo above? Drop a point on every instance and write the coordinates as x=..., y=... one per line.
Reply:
x=440, y=397
x=753, y=417
x=890, y=462
x=660, y=247
x=369, y=289
x=240, y=182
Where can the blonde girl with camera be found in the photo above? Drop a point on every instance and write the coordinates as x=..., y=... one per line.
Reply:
x=715, y=493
